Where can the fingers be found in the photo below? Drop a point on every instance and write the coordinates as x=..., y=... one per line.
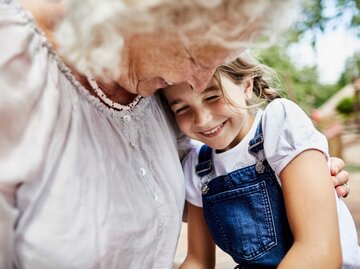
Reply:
x=346, y=187
x=336, y=165
x=343, y=190
x=341, y=178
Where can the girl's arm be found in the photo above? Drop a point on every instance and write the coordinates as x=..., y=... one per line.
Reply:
x=201, y=248
x=312, y=214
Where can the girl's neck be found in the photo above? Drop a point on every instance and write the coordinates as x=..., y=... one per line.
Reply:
x=243, y=132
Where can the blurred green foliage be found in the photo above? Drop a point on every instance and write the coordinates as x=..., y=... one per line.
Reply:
x=302, y=83
x=320, y=14
x=346, y=106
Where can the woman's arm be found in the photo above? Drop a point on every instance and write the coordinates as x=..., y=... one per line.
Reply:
x=201, y=248
x=312, y=214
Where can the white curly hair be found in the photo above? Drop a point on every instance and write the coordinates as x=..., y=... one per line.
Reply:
x=93, y=31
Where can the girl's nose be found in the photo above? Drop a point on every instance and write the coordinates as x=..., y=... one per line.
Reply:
x=202, y=117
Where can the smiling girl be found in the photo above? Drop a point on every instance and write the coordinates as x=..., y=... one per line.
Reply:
x=252, y=188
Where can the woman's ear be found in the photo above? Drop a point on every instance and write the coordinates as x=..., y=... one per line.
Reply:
x=248, y=85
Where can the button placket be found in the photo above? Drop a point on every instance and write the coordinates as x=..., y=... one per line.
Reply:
x=142, y=171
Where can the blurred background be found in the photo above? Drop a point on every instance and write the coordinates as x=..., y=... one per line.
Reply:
x=318, y=63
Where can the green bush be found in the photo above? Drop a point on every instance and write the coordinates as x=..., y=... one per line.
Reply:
x=345, y=106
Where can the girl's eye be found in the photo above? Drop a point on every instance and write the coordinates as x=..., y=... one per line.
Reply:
x=212, y=98
x=180, y=110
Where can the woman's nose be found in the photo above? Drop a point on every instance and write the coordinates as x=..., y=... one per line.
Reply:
x=200, y=78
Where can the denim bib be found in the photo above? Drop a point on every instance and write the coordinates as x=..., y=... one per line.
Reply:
x=245, y=210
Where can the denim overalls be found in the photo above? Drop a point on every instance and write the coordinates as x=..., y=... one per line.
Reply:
x=245, y=210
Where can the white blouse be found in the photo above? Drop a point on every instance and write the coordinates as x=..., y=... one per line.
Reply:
x=81, y=185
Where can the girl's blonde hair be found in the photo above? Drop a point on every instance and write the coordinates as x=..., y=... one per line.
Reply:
x=92, y=33
x=244, y=67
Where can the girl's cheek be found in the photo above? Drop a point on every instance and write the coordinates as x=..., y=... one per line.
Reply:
x=184, y=123
x=219, y=106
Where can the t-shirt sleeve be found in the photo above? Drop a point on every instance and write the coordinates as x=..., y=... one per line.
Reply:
x=192, y=181
x=288, y=131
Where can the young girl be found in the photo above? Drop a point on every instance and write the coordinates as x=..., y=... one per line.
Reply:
x=253, y=188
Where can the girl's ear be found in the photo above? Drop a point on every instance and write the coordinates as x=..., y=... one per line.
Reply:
x=248, y=85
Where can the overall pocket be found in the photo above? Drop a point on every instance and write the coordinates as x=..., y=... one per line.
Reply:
x=240, y=220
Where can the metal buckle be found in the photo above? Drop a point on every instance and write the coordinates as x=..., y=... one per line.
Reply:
x=259, y=167
x=203, y=167
x=204, y=188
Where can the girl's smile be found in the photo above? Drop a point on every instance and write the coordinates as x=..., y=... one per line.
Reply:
x=214, y=131
x=209, y=116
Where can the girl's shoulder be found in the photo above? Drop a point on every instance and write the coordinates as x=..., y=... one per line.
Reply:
x=192, y=156
x=282, y=107
x=192, y=181
x=284, y=113
x=287, y=132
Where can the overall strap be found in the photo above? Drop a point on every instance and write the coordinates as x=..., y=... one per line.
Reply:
x=204, y=167
x=256, y=148
x=257, y=142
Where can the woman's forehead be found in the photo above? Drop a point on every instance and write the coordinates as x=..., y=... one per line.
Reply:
x=211, y=55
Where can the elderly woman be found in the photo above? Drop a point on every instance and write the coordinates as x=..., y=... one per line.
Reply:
x=89, y=170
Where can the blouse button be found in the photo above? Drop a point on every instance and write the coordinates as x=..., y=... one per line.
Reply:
x=132, y=146
x=142, y=171
x=126, y=119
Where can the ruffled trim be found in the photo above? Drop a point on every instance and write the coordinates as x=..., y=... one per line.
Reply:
x=136, y=110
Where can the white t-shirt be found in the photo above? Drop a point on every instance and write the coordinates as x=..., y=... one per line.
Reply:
x=82, y=186
x=287, y=132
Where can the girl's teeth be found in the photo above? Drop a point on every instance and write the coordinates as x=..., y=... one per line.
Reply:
x=213, y=130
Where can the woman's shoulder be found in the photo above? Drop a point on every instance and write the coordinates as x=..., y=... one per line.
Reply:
x=19, y=29
x=25, y=51
x=29, y=65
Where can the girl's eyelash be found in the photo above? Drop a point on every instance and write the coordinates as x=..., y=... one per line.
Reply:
x=211, y=97
x=179, y=110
